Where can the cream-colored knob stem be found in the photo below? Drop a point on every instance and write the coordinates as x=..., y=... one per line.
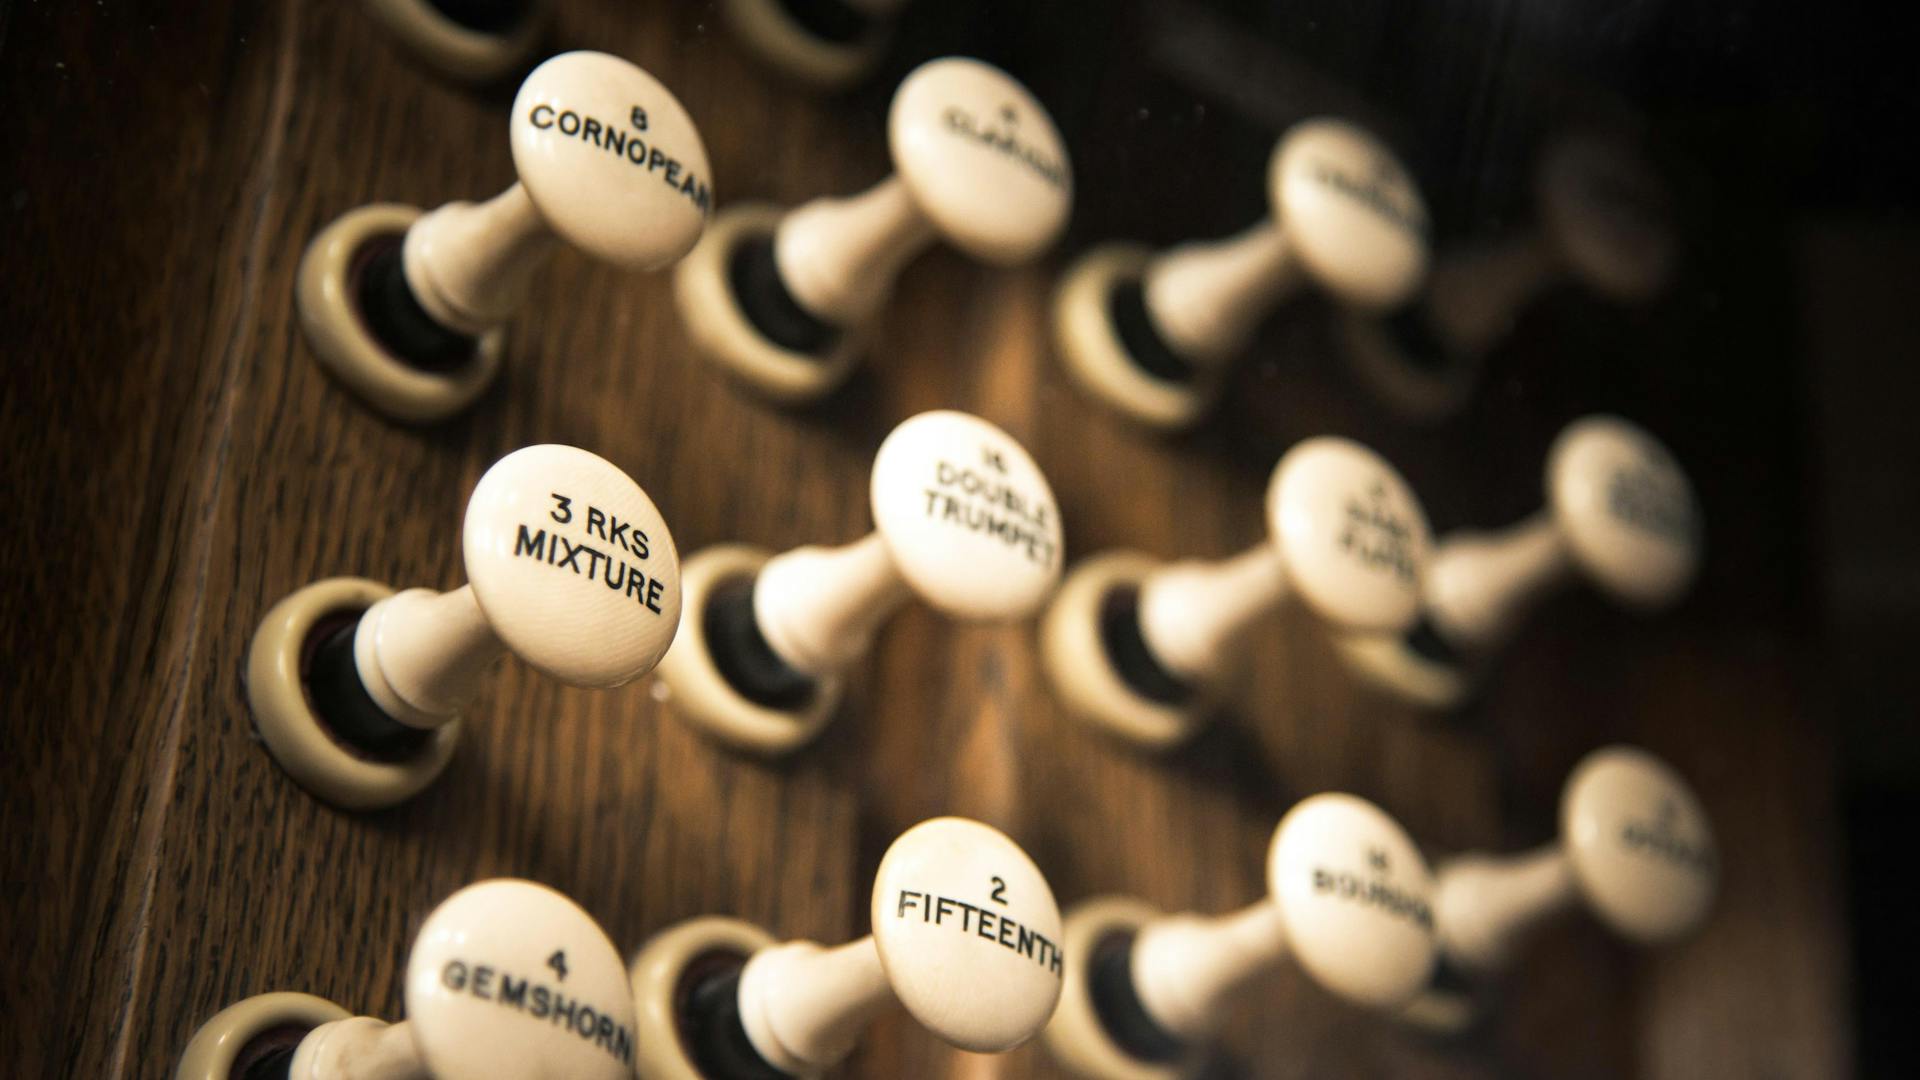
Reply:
x=819, y=607
x=1185, y=967
x=470, y=264
x=360, y=1048
x=804, y=1006
x=1479, y=585
x=1206, y=298
x=839, y=257
x=1191, y=611
x=1475, y=295
x=420, y=653
x=1483, y=905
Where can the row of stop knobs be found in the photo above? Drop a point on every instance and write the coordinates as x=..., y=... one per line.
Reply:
x=408, y=309
x=358, y=691
x=510, y=979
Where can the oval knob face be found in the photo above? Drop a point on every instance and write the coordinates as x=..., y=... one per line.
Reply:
x=982, y=159
x=510, y=979
x=1609, y=215
x=573, y=565
x=1640, y=844
x=968, y=516
x=1351, y=534
x=1625, y=508
x=1356, y=899
x=1351, y=210
x=611, y=159
x=969, y=933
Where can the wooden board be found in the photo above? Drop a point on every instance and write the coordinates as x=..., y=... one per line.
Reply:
x=183, y=463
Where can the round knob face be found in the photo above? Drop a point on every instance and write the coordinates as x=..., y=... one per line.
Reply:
x=611, y=159
x=1351, y=210
x=1640, y=844
x=572, y=565
x=1351, y=534
x=1356, y=899
x=1625, y=508
x=968, y=516
x=1608, y=215
x=982, y=158
x=969, y=933
x=510, y=979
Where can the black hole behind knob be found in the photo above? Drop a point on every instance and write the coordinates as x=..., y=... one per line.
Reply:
x=395, y=316
x=1415, y=340
x=341, y=700
x=767, y=304
x=1127, y=307
x=1425, y=640
x=1116, y=1001
x=707, y=1011
x=268, y=1055
x=742, y=654
x=485, y=16
x=1131, y=656
x=829, y=20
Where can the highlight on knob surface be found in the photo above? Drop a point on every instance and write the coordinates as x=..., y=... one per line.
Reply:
x=826, y=44
x=1349, y=900
x=1152, y=334
x=1635, y=849
x=357, y=690
x=1138, y=647
x=963, y=519
x=1603, y=220
x=407, y=309
x=966, y=935
x=507, y=980
x=1621, y=515
x=783, y=300
x=470, y=40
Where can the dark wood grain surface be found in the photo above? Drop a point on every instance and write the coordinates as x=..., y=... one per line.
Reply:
x=178, y=462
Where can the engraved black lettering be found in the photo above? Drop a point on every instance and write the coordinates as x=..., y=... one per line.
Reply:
x=565, y=118
x=534, y=544
x=534, y=117
x=590, y=131
x=562, y=511
x=454, y=976
x=513, y=991
x=596, y=522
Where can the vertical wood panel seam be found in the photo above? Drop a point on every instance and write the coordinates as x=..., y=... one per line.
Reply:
x=147, y=850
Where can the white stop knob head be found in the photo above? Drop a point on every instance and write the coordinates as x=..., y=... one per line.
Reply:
x=572, y=565
x=967, y=515
x=1351, y=534
x=611, y=159
x=1356, y=899
x=1640, y=844
x=510, y=979
x=1351, y=210
x=982, y=159
x=1609, y=216
x=969, y=933
x=1625, y=508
